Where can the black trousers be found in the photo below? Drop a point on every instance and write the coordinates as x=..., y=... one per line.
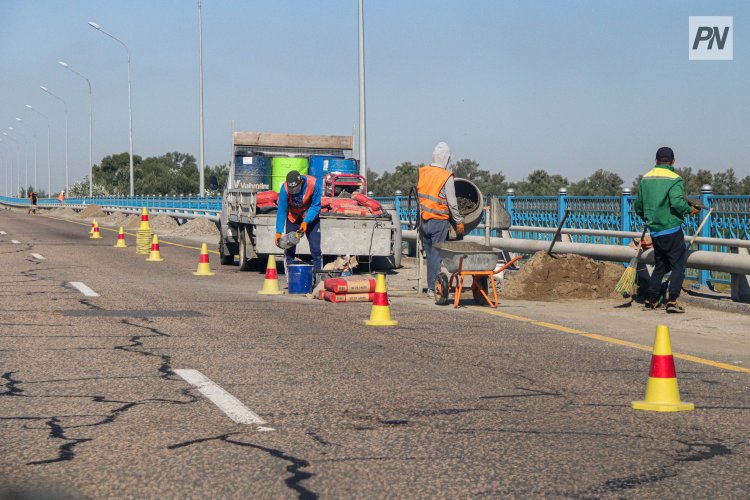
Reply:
x=670, y=253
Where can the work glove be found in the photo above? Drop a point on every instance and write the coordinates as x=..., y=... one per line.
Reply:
x=460, y=229
x=694, y=211
x=276, y=240
x=303, y=227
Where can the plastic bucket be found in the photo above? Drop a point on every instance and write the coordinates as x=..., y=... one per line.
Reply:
x=251, y=171
x=280, y=166
x=300, y=278
x=319, y=165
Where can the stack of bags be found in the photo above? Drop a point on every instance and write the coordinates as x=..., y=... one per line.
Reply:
x=350, y=289
x=358, y=205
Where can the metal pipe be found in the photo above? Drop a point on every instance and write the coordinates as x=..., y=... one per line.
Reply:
x=714, y=261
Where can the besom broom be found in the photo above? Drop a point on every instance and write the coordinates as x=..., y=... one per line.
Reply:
x=627, y=281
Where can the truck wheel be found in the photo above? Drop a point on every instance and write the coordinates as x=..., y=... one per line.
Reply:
x=225, y=257
x=244, y=263
x=442, y=290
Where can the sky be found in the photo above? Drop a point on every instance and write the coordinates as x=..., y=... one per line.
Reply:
x=570, y=86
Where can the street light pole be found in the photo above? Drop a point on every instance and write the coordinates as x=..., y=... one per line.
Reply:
x=362, y=135
x=49, y=169
x=202, y=177
x=45, y=89
x=18, y=161
x=25, y=158
x=91, y=127
x=33, y=133
x=130, y=110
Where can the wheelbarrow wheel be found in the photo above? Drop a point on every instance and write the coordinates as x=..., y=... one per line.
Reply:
x=442, y=290
x=480, y=283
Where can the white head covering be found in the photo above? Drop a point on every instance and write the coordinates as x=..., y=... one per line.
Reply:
x=441, y=155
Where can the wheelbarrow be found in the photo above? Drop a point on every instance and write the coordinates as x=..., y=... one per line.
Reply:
x=461, y=259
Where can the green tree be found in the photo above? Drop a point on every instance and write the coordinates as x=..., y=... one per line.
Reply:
x=600, y=183
x=403, y=178
x=81, y=189
x=726, y=182
x=540, y=183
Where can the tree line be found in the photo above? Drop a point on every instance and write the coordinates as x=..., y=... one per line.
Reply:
x=542, y=183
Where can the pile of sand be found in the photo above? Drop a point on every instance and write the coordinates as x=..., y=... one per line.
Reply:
x=115, y=219
x=64, y=212
x=163, y=223
x=564, y=276
x=198, y=227
x=92, y=211
x=132, y=222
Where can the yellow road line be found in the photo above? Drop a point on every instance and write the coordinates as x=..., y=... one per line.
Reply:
x=161, y=242
x=610, y=340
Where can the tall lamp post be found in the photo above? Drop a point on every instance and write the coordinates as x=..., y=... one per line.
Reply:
x=202, y=177
x=91, y=126
x=49, y=129
x=25, y=157
x=18, y=161
x=362, y=135
x=33, y=134
x=130, y=110
x=8, y=169
x=45, y=89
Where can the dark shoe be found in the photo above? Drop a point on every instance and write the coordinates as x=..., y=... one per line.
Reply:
x=674, y=307
x=650, y=306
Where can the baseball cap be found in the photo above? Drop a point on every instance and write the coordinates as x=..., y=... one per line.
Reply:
x=665, y=154
x=293, y=182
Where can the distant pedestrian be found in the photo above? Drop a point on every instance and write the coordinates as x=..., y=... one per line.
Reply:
x=662, y=205
x=61, y=197
x=33, y=199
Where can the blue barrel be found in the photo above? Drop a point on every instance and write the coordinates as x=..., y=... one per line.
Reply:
x=251, y=171
x=342, y=166
x=319, y=165
x=300, y=277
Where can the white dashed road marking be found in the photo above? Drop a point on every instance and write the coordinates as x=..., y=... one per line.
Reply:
x=38, y=256
x=15, y=242
x=227, y=403
x=88, y=292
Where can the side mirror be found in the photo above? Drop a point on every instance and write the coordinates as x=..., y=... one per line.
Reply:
x=213, y=182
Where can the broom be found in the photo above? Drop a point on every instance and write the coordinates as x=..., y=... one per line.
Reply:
x=627, y=281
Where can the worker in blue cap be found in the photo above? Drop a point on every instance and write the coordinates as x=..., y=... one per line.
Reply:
x=299, y=210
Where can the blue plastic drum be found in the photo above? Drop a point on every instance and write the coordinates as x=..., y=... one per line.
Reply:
x=319, y=165
x=300, y=278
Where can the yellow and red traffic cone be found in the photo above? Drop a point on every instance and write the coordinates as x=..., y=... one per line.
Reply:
x=144, y=220
x=662, y=393
x=155, y=255
x=93, y=223
x=95, y=235
x=121, y=239
x=271, y=283
x=204, y=269
x=380, y=315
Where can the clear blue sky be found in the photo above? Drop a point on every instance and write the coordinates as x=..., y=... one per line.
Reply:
x=569, y=86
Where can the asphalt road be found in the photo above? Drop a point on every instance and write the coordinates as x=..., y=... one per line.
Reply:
x=451, y=403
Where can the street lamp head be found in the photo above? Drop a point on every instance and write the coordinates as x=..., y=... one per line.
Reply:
x=44, y=88
x=19, y=119
x=11, y=129
x=63, y=64
x=94, y=25
x=29, y=106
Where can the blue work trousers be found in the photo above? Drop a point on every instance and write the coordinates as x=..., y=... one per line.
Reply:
x=432, y=232
x=313, y=239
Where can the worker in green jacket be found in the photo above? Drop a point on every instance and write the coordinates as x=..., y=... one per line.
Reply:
x=662, y=205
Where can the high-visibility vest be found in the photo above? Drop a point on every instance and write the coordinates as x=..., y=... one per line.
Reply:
x=294, y=211
x=429, y=184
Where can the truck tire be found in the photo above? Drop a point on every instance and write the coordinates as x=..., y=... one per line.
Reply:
x=244, y=262
x=225, y=256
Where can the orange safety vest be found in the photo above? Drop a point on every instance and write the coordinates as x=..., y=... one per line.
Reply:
x=430, y=183
x=295, y=212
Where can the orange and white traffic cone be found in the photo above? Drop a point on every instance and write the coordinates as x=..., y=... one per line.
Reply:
x=204, y=269
x=380, y=315
x=95, y=235
x=155, y=255
x=144, y=220
x=662, y=393
x=121, y=239
x=271, y=283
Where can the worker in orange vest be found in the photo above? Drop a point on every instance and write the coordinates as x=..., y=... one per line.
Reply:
x=299, y=210
x=437, y=203
x=61, y=197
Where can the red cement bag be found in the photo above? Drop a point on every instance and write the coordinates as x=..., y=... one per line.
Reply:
x=337, y=298
x=267, y=198
x=349, y=285
x=366, y=202
x=337, y=203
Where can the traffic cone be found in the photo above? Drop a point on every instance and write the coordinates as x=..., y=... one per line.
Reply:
x=95, y=235
x=155, y=255
x=144, y=220
x=271, y=283
x=662, y=393
x=121, y=239
x=93, y=223
x=380, y=314
x=203, y=268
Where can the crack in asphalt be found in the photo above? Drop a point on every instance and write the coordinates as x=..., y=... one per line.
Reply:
x=530, y=394
x=11, y=386
x=65, y=452
x=136, y=343
x=294, y=468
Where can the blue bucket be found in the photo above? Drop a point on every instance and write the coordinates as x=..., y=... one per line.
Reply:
x=300, y=278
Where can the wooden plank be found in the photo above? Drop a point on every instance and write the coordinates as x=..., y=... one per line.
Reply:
x=268, y=139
